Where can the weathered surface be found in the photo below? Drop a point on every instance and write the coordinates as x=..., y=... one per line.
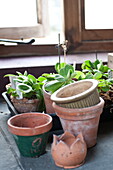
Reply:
x=99, y=157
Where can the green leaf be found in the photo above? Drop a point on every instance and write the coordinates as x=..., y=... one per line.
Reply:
x=96, y=63
x=9, y=75
x=19, y=73
x=41, y=79
x=60, y=78
x=24, y=88
x=32, y=78
x=105, y=89
x=89, y=76
x=106, y=68
x=65, y=72
x=49, y=76
x=10, y=90
x=87, y=65
x=52, y=86
x=59, y=66
x=97, y=75
x=100, y=67
x=36, y=86
x=79, y=74
x=22, y=77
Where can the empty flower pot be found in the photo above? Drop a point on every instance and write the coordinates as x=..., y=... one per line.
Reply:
x=30, y=131
x=80, y=94
x=69, y=151
x=81, y=120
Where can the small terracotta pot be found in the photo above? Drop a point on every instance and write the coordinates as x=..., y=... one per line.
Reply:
x=30, y=132
x=48, y=101
x=69, y=151
x=25, y=105
x=80, y=94
x=83, y=120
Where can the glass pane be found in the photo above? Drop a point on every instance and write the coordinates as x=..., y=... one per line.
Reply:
x=16, y=13
x=98, y=14
x=55, y=17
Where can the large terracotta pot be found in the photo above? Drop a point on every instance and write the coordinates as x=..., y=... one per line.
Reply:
x=85, y=120
x=30, y=132
x=69, y=151
x=80, y=94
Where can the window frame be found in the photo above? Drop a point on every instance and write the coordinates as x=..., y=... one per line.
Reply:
x=39, y=30
x=79, y=39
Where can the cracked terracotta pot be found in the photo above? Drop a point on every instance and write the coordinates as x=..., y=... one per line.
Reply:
x=85, y=120
x=30, y=131
x=69, y=151
x=80, y=94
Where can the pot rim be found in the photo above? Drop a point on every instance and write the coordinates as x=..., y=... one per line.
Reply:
x=74, y=97
x=78, y=111
x=27, y=131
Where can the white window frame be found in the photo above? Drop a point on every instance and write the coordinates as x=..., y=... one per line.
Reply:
x=32, y=31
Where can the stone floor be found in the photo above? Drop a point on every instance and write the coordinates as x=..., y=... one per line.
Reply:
x=99, y=157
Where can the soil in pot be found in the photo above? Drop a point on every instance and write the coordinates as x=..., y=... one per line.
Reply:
x=80, y=94
x=30, y=131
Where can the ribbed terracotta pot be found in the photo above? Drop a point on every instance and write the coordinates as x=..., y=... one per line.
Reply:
x=25, y=105
x=80, y=94
x=69, y=151
x=85, y=120
x=30, y=132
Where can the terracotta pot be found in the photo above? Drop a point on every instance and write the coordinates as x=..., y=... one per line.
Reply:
x=48, y=101
x=83, y=120
x=25, y=105
x=69, y=151
x=80, y=94
x=30, y=132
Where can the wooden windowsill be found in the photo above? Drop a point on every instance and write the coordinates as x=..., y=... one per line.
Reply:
x=36, y=61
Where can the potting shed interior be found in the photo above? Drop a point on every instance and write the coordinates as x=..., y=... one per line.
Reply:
x=29, y=52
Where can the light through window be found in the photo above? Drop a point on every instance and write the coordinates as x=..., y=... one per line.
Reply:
x=18, y=13
x=98, y=14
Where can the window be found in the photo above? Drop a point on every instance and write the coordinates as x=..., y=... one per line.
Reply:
x=81, y=37
x=23, y=19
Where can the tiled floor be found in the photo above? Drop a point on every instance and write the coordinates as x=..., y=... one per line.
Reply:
x=99, y=157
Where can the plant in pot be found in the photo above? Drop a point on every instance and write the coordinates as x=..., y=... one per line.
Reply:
x=83, y=119
x=64, y=75
x=25, y=92
x=101, y=72
x=52, y=82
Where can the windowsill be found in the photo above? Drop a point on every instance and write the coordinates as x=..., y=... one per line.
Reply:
x=36, y=61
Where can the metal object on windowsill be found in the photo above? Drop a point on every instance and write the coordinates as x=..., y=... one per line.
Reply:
x=17, y=41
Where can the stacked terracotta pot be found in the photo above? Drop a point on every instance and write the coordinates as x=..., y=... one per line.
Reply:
x=79, y=106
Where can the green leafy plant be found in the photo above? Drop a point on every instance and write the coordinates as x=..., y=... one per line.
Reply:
x=64, y=75
x=96, y=70
x=27, y=84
